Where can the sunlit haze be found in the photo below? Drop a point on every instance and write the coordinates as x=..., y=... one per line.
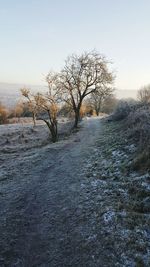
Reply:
x=38, y=35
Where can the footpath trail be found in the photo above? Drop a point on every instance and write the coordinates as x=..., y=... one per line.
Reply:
x=44, y=220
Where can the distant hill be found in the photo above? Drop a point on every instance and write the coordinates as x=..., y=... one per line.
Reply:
x=126, y=93
x=10, y=93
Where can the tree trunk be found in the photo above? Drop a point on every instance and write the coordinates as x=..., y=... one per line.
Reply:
x=97, y=112
x=53, y=130
x=77, y=117
x=98, y=107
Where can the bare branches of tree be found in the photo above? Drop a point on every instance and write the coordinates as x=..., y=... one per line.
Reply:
x=98, y=96
x=44, y=103
x=47, y=103
x=81, y=76
x=144, y=94
x=31, y=103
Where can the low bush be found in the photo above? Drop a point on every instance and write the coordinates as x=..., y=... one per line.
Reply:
x=138, y=124
x=3, y=114
x=136, y=116
x=123, y=109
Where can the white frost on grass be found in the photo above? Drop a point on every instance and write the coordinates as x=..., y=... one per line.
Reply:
x=146, y=185
x=96, y=183
x=92, y=237
x=108, y=216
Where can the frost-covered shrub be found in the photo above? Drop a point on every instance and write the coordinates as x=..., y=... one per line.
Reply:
x=139, y=115
x=138, y=125
x=123, y=109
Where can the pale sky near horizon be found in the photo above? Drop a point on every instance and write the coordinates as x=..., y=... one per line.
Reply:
x=37, y=36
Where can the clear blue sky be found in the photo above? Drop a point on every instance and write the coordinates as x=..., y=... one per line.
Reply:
x=37, y=35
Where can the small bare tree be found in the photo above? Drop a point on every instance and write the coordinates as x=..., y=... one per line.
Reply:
x=31, y=103
x=47, y=104
x=144, y=94
x=98, y=96
x=81, y=76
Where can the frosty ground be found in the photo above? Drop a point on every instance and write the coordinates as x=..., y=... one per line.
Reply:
x=72, y=203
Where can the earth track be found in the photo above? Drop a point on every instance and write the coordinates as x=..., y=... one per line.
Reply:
x=42, y=205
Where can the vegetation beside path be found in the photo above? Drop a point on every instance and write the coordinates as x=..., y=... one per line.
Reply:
x=121, y=197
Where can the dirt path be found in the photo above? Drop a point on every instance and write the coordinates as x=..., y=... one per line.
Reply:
x=43, y=218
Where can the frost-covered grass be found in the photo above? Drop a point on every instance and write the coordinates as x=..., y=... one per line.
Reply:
x=121, y=195
x=22, y=140
x=136, y=122
x=23, y=136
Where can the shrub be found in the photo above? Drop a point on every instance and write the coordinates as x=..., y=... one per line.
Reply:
x=20, y=110
x=138, y=123
x=136, y=116
x=3, y=114
x=123, y=109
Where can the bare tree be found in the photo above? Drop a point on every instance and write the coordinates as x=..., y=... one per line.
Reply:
x=48, y=104
x=98, y=96
x=81, y=76
x=45, y=103
x=144, y=94
x=109, y=104
x=31, y=103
